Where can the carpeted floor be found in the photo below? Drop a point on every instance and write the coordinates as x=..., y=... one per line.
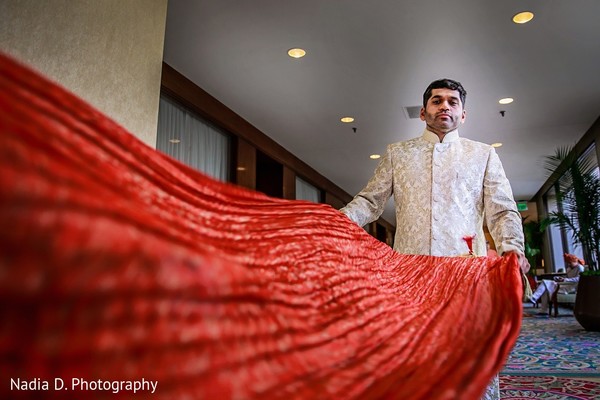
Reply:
x=554, y=358
x=547, y=387
x=554, y=346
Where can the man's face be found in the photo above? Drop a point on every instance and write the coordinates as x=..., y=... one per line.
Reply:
x=444, y=111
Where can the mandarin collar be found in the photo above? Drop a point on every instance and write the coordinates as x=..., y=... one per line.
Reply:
x=433, y=138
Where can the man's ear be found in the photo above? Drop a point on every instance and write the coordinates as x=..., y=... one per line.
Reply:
x=464, y=116
x=422, y=114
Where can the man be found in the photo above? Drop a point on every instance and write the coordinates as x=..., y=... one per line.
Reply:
x=545, y=289
x=443, y=186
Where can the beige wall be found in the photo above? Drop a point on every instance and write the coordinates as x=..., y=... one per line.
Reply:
x=108, y=52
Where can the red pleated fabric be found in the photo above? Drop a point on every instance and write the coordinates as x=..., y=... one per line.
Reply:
x=118, y=263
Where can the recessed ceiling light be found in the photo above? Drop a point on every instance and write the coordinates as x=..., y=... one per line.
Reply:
x=174, y=141
x=506, y=100
x=496, y=144
x=374, y=156
x=347, y=119
x=241, y=168
x=523, y=17
x=296, y=52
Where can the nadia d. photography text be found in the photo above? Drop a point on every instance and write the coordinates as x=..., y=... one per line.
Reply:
x=114, y=386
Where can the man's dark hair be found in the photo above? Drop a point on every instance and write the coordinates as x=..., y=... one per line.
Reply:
x=445, y=84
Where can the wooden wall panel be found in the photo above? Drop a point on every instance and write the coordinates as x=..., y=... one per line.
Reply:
x=245, y=168
x=334, y=201
x=289, y=183
x=269, y=175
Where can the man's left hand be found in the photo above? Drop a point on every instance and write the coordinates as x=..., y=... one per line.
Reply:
x=523, y=262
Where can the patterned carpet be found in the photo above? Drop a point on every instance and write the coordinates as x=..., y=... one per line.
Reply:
x=555, y=347
x=554, y=358
x=547, y=387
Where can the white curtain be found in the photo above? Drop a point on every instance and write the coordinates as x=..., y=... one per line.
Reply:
x=189, y=139
x=306, y=191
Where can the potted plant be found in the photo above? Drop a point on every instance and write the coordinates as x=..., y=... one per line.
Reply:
x=534, y=239
x=578, y=193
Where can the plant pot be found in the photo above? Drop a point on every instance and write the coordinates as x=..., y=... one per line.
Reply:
x=587, y=303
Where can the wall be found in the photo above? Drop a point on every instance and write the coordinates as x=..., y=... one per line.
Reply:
x=108, y=52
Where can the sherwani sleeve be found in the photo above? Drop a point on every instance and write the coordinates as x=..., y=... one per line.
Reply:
x=502, y=217
x=369, y=203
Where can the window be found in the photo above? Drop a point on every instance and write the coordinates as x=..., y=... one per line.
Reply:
x=556, y=237
x=306, y=191
x=191, y=140
x=561, y=241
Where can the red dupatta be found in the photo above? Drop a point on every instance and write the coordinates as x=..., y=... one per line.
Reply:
x=118, y=263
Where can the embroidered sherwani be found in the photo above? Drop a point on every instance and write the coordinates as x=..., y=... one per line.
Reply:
x=442, y=192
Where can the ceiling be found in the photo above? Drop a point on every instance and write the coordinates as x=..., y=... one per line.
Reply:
x=371, y=59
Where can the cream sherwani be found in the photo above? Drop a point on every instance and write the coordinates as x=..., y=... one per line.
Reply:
x=442, y=192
